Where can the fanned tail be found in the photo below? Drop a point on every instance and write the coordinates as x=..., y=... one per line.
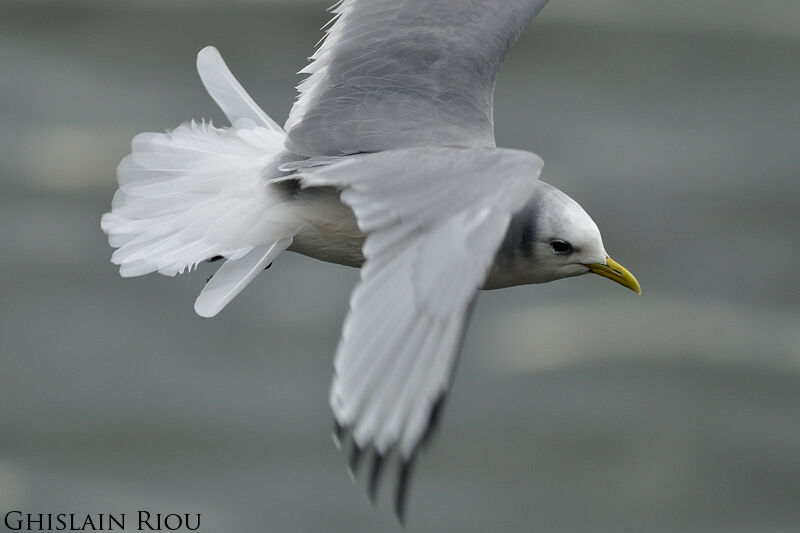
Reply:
x=200, y=191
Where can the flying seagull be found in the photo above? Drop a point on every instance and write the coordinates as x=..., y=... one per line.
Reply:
x=388, y=163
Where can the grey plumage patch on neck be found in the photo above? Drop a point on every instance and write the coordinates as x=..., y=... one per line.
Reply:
x=525, y=245
x=520, y=238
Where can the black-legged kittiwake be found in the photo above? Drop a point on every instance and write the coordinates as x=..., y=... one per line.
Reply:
x=387, y=162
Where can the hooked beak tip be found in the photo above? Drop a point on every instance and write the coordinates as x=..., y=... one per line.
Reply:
x=616, y=272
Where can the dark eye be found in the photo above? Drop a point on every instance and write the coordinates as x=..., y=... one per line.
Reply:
x=561, y=247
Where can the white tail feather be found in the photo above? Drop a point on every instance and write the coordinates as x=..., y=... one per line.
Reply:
x=228, y=93
x=199, y=191
x=234, y=276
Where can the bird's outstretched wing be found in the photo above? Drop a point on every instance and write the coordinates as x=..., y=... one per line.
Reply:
x=402, y=73
x=432, y=234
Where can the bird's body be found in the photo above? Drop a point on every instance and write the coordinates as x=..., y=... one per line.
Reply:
x=330, y=233
x=387, y=163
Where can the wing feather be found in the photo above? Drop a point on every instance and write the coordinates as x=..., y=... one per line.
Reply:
x=431, y=239
x=399, y=73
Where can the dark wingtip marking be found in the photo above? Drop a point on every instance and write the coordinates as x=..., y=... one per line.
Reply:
x=434, y=418
x=215, y=259
x=338, y=434
x=375, y=476
x=355, y=459
x=401, y=495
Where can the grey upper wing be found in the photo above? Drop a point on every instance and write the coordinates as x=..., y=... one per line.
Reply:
x=432, y=235
x=401, y=73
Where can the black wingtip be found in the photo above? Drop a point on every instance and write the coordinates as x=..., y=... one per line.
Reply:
x=338, y=434
x=375, y=476
x=434, y=419
x=401, y=495
x=355, y=460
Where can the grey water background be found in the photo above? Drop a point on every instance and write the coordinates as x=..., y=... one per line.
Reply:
x=577, y=406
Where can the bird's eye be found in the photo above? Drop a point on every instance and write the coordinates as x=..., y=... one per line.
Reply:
x=561, y=247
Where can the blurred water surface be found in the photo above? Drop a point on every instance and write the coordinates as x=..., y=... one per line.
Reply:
x=577, y=406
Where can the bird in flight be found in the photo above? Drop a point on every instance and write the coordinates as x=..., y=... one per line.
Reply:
x=387, y=162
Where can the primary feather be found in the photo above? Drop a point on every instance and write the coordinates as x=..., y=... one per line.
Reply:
x=432, y=236
x=400, y=73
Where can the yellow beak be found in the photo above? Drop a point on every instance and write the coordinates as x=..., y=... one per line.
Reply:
x=616, y=272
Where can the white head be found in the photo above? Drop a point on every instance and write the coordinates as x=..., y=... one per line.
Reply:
x=551, y=238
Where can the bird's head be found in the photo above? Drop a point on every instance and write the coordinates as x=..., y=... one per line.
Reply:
x=551, y=238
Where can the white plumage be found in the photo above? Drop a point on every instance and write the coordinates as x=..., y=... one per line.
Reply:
x=408, y=307
x=388, y=160
x=200, y=191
